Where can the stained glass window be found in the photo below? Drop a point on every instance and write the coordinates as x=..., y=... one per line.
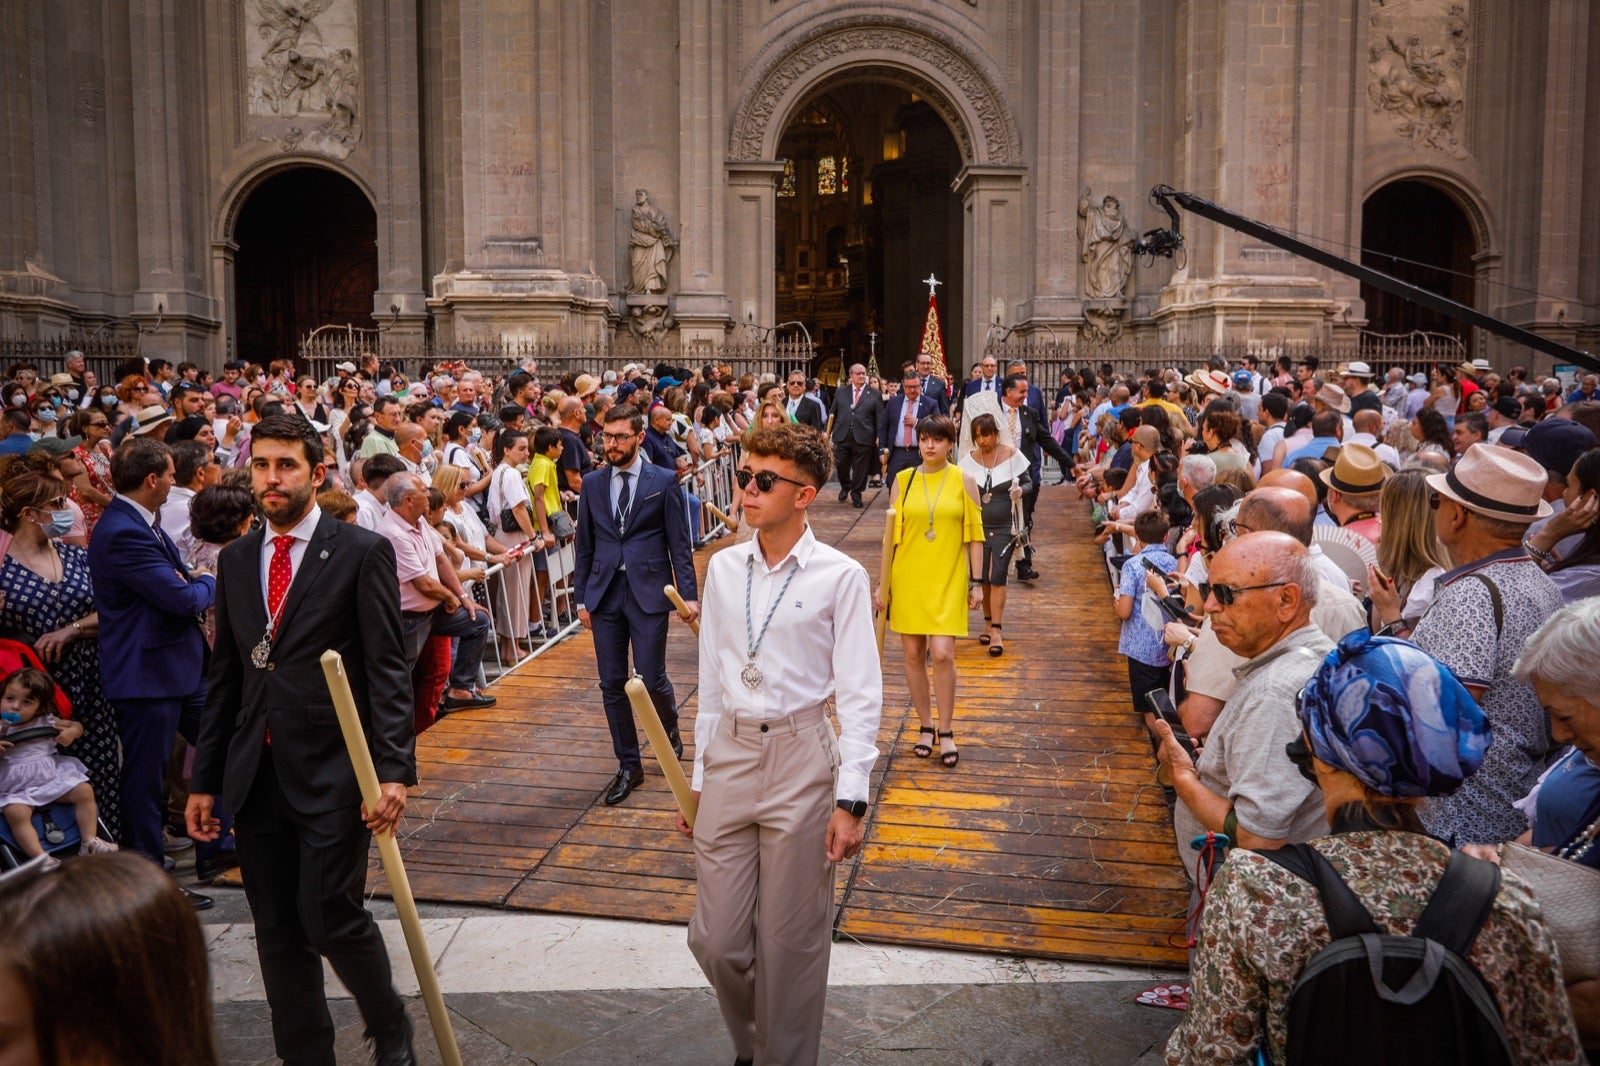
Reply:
x=844, y=173
x=827, y=176
x=786, y=186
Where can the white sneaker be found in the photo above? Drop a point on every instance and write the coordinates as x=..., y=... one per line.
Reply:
x=172, y=843
x=96, y=846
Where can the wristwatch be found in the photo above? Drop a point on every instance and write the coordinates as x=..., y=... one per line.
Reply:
x=855, y=808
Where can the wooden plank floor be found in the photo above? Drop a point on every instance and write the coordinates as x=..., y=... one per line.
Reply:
x=1050, y=838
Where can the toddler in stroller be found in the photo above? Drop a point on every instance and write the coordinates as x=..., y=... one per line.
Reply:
x=33, y=773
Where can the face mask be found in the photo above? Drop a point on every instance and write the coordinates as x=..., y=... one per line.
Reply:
x=427, y=448
x=47, y=417
x=72, y=394
x=475, y=435
x=11, y=717
x=60, y=524
x=19, y=399
x=108, y=401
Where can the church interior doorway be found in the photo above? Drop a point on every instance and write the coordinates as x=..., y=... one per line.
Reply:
x=864, y=211
x=307, y=257
x=1417, y=233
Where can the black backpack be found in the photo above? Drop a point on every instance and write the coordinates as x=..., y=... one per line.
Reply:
x=1381, y=998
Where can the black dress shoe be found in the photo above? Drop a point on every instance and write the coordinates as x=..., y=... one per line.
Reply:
x=394, y=1048
x=842, y=494
x=465, y=703
x=197, y=901
x=855, y=501
x=744, y=1062
x=208, y=868
x=676, y=741
x=1027, y=573
x=624, y=784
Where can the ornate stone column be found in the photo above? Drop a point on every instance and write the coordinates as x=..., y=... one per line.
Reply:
x=701, y=305
x=751, y=230
x=390, y=47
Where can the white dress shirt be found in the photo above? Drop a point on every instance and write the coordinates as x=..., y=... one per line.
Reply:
x=302, y=539
x=369, y=510
x=820, y=643
x=175, y=519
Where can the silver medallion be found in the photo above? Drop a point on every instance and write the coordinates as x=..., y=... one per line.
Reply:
x=987, y=496
x=260, y=654
x=929, y=535
x=751, y=676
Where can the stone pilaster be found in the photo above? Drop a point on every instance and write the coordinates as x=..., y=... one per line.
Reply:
x=992, y=274
x=701, y=303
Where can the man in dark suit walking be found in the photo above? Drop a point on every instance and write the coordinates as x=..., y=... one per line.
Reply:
x=633, y=539
x=270, y=744
x=1031, y=437
x=857, y=408
x=152, y=648
x=801, y=407
x=988, y=381
x=934, y=387
x=897, y=429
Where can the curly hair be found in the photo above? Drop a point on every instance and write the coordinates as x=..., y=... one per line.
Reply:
x=804, y=446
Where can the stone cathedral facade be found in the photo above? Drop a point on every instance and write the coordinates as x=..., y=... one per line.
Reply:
x=228, y=175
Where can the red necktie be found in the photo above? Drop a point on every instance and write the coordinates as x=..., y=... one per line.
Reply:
x=857, y=400
x=279, y=573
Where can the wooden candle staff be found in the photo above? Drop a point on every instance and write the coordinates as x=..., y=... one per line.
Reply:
x=671, y=592
x=645, y=711
x=344, y=702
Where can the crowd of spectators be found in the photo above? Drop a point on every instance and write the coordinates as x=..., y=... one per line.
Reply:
x=1268, y=528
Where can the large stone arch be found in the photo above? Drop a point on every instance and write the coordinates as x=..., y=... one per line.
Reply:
x=238, y=188
x=909, y=53
x=1462, y=192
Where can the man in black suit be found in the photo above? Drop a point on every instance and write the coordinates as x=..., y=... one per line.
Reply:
x=934, y=387
x=1031, y=436
x=857, y=408
x=801, y=407
x=897, y=429
x=270, y=744
x=988, y=381
x=633, y=540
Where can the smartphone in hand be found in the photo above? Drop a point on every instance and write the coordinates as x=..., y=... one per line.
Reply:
x=1161, y=706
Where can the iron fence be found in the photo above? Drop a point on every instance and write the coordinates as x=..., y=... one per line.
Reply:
x=103, y=355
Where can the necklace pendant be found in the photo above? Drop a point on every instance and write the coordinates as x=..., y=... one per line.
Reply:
x=929, y=535
x=751, y=676
x=260, y=654
x=987, y=496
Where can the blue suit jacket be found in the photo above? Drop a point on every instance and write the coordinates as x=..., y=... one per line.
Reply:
x=151, y=643
x=893, y=411
x=655, y=549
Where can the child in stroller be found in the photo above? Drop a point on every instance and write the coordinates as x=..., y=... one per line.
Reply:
x=33, y=773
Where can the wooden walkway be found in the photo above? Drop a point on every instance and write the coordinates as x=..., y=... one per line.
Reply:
x=1050, y=839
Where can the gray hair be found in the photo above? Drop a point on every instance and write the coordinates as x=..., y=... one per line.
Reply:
x=1429, y=457
x=1300, y=570
x=1200, y=471
x=1562, y=652
x=401, y=485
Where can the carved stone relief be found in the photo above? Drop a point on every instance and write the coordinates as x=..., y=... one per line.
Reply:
x=996, y=125
x=649, y=317
x=1417, y=62
x=303, y=81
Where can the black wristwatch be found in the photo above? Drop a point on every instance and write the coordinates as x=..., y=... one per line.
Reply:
x=855, y=808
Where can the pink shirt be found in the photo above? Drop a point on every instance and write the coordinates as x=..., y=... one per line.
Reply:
x=415, y=556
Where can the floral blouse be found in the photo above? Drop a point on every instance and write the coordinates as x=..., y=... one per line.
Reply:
x=98, y=466
x=1262, y=924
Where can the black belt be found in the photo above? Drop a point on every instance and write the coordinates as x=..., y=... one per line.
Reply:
x=417, y=614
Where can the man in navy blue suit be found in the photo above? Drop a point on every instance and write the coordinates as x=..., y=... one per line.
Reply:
x=934, y=387
x=897, y=427
x=633, y=539
x=152, y=649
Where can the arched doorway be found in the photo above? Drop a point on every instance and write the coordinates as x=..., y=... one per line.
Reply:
x=307, y=257
x=1419, y=234
x=865, y=210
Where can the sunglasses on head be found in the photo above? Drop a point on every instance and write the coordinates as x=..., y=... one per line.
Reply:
x=1299, y=753
x=766, y=480
x=1226, y=594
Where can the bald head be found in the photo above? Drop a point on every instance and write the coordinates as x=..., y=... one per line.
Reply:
x=408, y=433
x=1279, y=583
x=1290, y=479
x=1148, y=438
x=1277, y=510
x=571, y=408
x=1367, y=420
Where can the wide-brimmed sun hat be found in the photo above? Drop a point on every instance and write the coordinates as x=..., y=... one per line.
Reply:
x=1358, y=470
x=1496, y=483
x=1334, y=397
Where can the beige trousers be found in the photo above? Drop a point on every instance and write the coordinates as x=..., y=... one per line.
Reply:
x=762, y=914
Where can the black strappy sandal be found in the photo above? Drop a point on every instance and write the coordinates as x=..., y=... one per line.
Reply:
x=949, y=758
x=997, y=648
x=984, y=637
x=921, y=750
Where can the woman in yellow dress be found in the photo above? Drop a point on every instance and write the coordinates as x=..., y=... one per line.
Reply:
x=933, y=581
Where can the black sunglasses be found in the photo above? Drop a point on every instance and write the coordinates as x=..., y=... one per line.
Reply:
x=1299, y=753
x=766, y=480
x=1226, y=594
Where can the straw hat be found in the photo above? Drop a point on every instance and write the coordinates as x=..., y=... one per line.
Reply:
x=1357, y=370
x=1334, y=397
x=1209, y=381
x=585, y=385
x=151, y=417
x=1357, y=471
x=1497, y=483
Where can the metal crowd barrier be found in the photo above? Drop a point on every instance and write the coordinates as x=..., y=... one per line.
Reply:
x=546, y=615
x=713, y=483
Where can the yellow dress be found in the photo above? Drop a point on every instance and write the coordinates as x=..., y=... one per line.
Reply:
x=928, y=580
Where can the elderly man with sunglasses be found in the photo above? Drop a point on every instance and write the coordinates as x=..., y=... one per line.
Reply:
x=1263, y=587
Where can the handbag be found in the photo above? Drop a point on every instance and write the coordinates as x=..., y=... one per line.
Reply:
x=1569, y=895
x=508, y=517
x=562, y=526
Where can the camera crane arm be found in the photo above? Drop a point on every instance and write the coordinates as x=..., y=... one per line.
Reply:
x=1164, y=242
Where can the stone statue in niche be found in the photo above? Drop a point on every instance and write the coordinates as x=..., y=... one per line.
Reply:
x=650, y=246
x=304, y=83
x=1416, y=61
x=1105, y=247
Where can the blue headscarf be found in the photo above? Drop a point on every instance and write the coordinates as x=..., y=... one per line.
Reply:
x=1395, y=718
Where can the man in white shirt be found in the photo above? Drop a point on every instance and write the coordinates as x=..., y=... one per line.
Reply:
x=787, y=623
x=1368, y=425
x=1274, y=409
x=193, y=468
x=373, y=472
